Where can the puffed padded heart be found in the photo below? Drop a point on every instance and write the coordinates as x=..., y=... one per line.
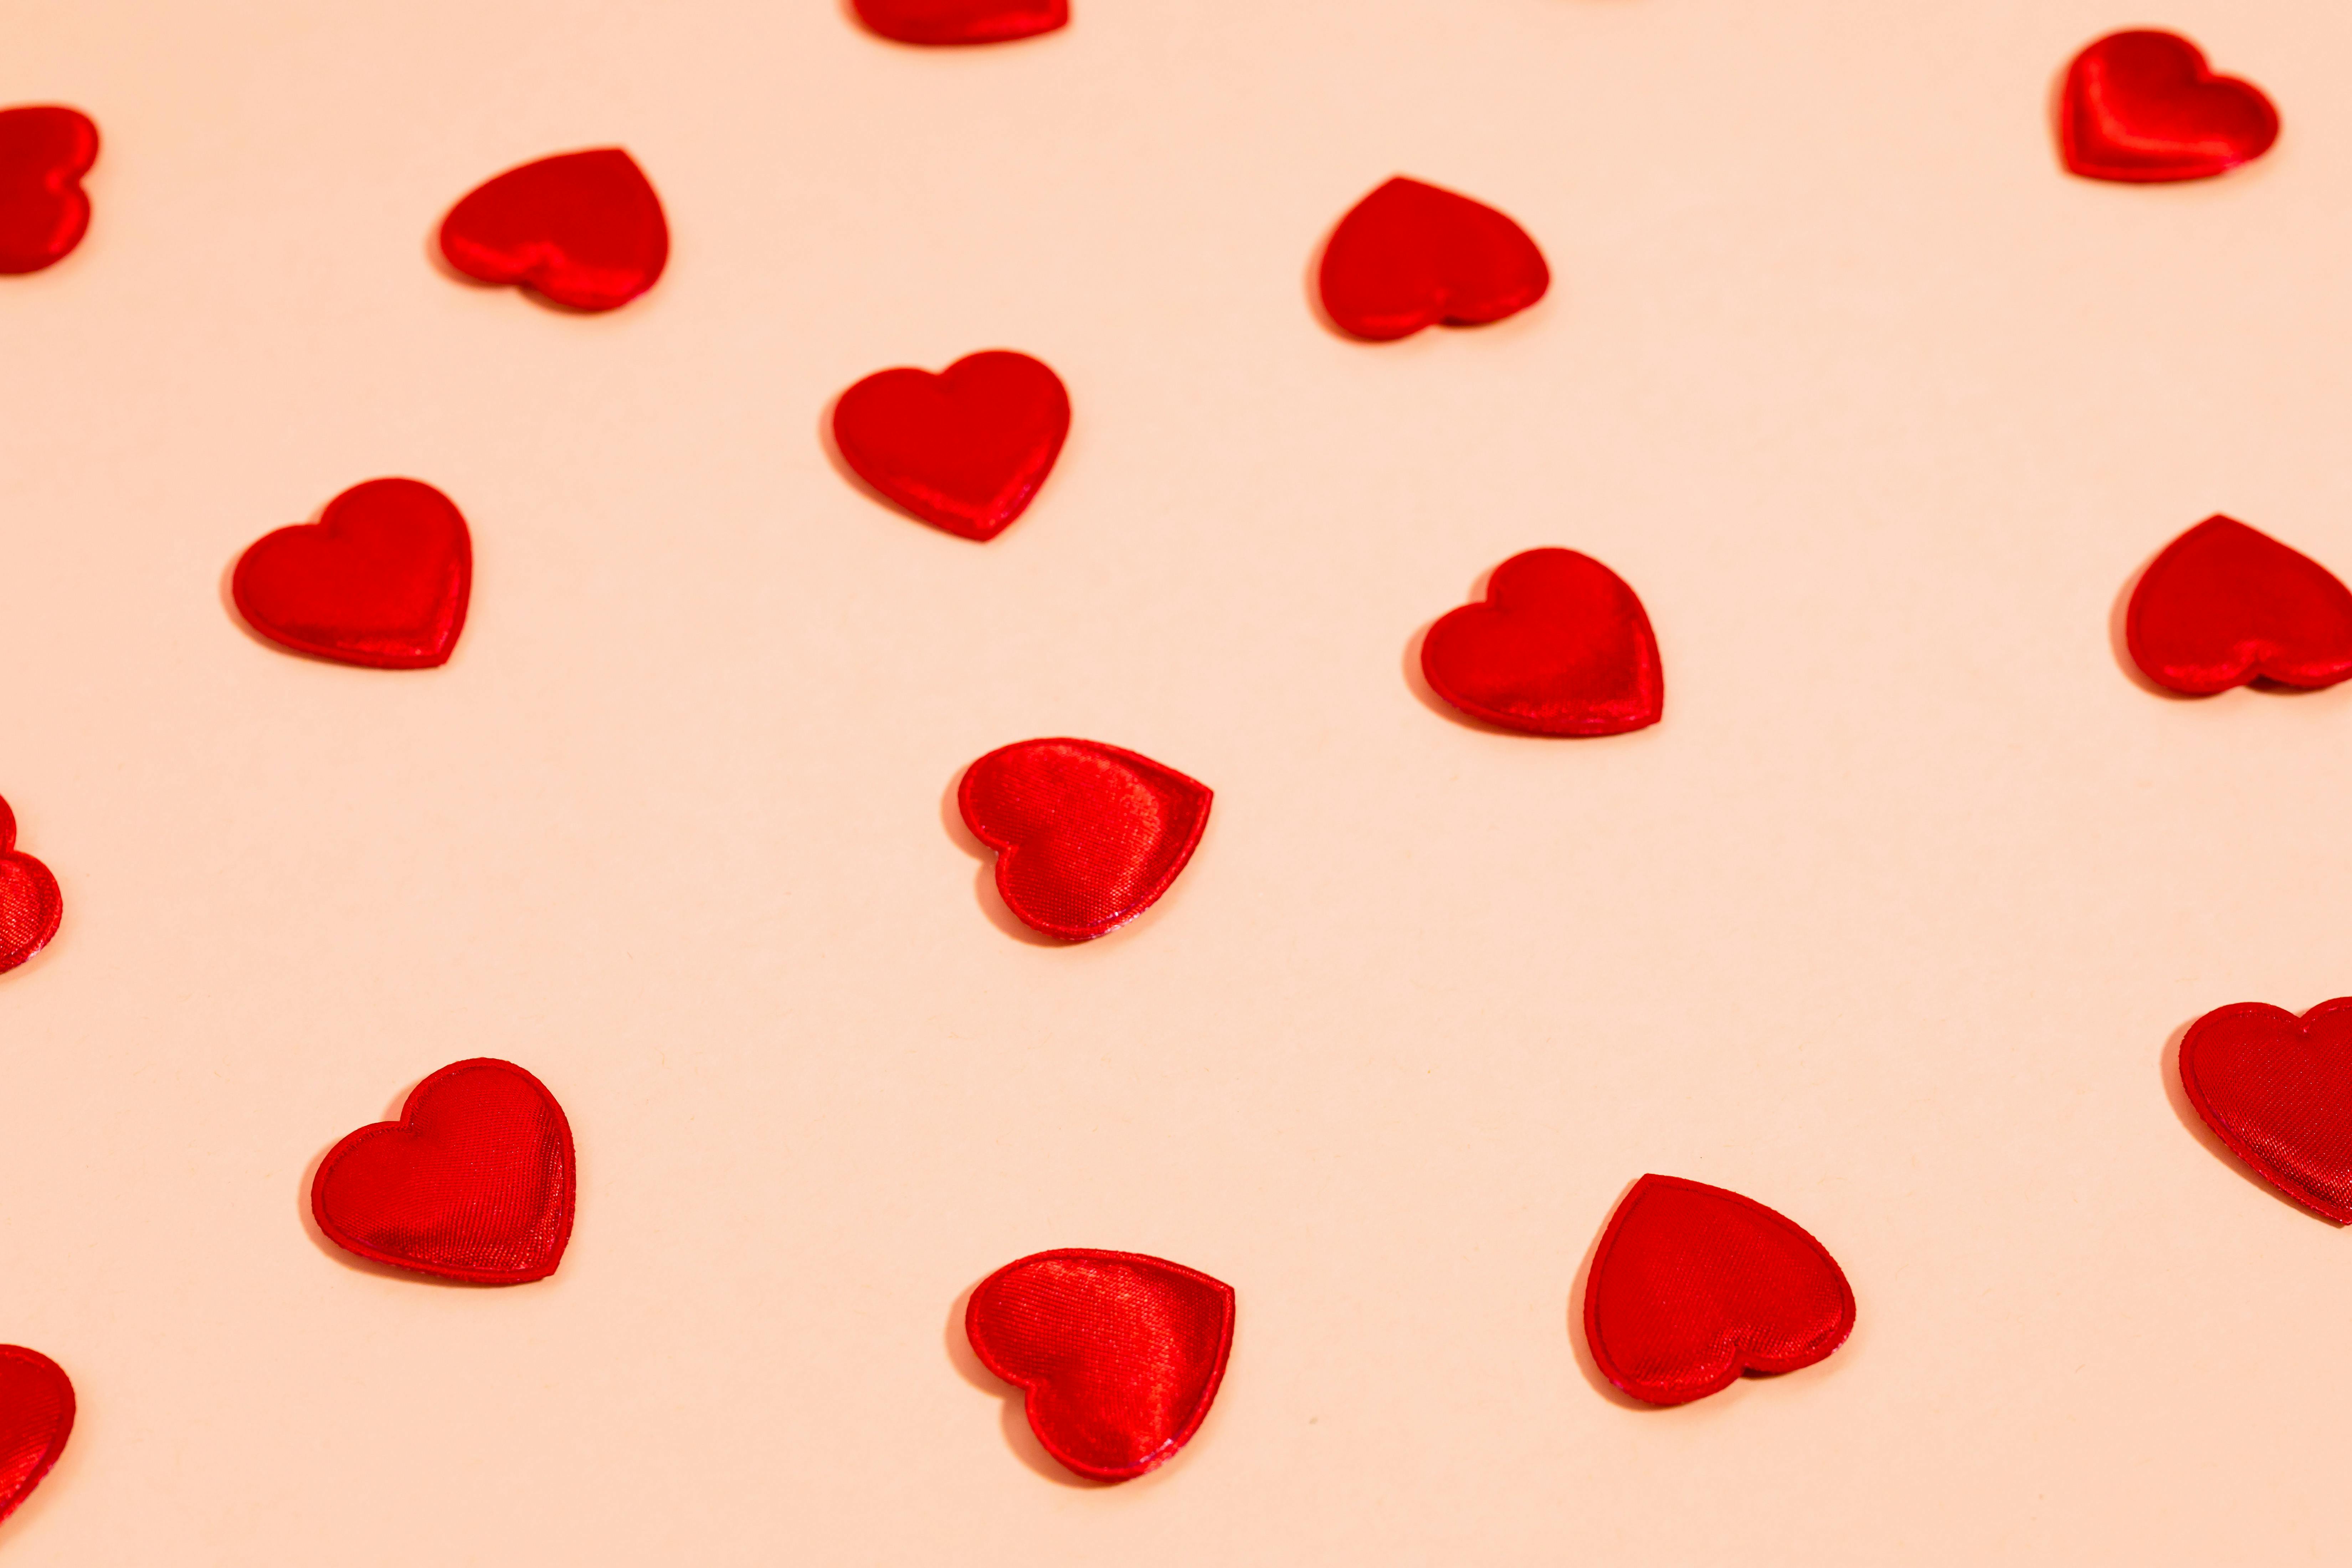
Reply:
x=1410, y=256
x=963, y=21
x=2141, y=107
x=2278, y=1091
x=584, y=229
x=30, y=904
x=36, y=1417
x=2225, y=604
x=966, y=449
x=1559, y=646
x=45, y=149
x=382, y=579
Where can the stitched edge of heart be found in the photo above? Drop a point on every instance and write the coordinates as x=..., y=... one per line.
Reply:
x=852, y=452
x=1646, y=657
x=47, y=894
x=56, y=1447
x=459, y=249
x=998, y=32
x=2191, y=1047
x=432, y=658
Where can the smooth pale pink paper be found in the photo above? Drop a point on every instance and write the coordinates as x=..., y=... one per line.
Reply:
x=1887, y=925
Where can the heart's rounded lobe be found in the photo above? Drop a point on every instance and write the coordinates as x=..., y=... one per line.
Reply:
x=475, y=1181
x=1088, y=836
x=45, y=149
x=30, y=904
x=584, y=229
x=382, y=579
x=2225, y=604
x=1119, y=1355
x=966, y=449
x=1410, y=256
x=963, y=21
x=1559, y=646
x=2278, y=1091
x=36, y=1417
x=2141, y=106
x=1693, y=1285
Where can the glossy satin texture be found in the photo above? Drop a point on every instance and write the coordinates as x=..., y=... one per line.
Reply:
x=2141, y=107
x=2278, y=1091
x=45, y=149
x=1119, y=1355
x=36, y=1417
x=1410, y=256
x=1560, y=645
x=964, y=450
x=585, y=229
x=1693, y=1285
x=963, y=21
x=473, y=1183
x=382, y=579
x=2225, y=604
x=30, y=904
x=1088, y=836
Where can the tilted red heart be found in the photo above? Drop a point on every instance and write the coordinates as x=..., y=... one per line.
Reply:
x=36, y=1417
x=963, y=21
x=1410, y=256
x=30, y=904
x=1692, y=1284
x=473, y=1183
x=1119, y=1355
x=1088, y=836
x=2141, y=106
x=45, y=149
x=585, y=229
x=1560, y=645
x=964, y=450
x=382, y=579
x=2225, y=604
x=2278, y=1091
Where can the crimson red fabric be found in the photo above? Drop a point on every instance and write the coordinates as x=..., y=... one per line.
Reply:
x=2278, y=1091
x=36, y=1417
x=1560, y=645
x=1088, y=836
x=473, y=1183
x=2141, y=106
x=963, y=21
x=1410, y=256
x=1119, y=1355
x=30, y=904
x=1693, y=1285
x=382, y=579
x=584, y=229
x=2225, y=604
x=45, y=149
x=966, y=449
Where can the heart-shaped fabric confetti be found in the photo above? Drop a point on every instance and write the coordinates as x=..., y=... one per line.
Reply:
x=30, y=904
x=1119, y=1355
x=2141, y=107
x=36, y=1417
x=1410, y=256
x=2225, y=604
x=382, y=579
x=1693, y=1285
x=584, y=229
x=45, y=149
x=1560, y=645
x=963, y=21
x=473, y=1183
x=2278, y=1091
x=1088, y=836
x=964, y=450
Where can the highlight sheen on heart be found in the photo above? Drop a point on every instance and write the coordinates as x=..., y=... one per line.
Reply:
x=1413, y=255
x=45, y=149
x=2225, y=604
x=965, y=450
x=584, y=229
x=381, y=580
x=2142, y=107
x=2278, y=1091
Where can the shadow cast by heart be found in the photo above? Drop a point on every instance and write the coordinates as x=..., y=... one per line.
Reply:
x=2184, y=1110
x=1015, y=1417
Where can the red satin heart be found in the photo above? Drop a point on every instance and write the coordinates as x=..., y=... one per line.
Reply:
x=1560, y=645
x=1409, y=256
x=36, y=1417
x=585, y=229
x=45, y=151
x=2278, y=1091
x=1088, y=836
x=30, y=904
x=2141, y=106
x=963, y=21
x=381, y=578
x=2225, y=604
x=473, y=1183
x=1693, y=1285
x=1119, y=1355
x=964, y=450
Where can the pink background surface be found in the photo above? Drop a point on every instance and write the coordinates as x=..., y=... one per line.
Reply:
x=1888, y=925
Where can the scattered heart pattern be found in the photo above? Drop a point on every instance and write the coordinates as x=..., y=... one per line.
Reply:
x=1560, y=645
x=30, y=904
x=1088, y=836
x=36, y=1417
x=584, y=229
x=963, y=21
x=1692, y=1286
x=380, y=580
x=1119, y=1355
x=1410, y=256
x=966, y=450
x=45, y=149
x=473, y=1183
x=2278, y=1091
x=2142, y=107
x=2225, y=604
